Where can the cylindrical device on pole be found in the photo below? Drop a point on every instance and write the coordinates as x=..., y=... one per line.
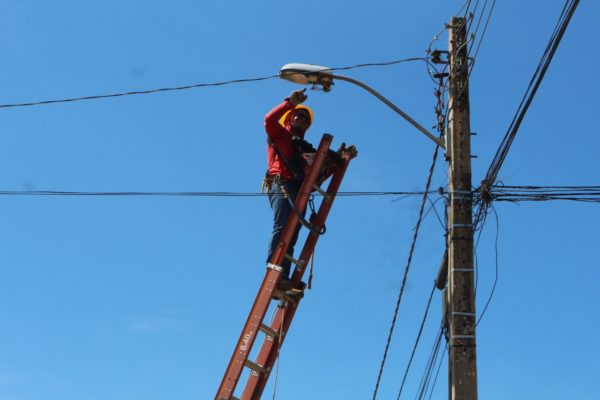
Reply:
x=461, y=296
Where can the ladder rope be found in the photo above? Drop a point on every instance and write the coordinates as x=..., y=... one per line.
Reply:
x=301, y=218
x=313, y=213
x=310, y=272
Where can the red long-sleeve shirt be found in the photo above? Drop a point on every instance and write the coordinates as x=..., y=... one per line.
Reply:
x=282, y=138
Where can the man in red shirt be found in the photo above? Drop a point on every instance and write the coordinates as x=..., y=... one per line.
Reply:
x=286, y=125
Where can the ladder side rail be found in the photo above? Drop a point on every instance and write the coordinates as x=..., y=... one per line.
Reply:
x=284, y=316
x=263, y=299
x=322, y=214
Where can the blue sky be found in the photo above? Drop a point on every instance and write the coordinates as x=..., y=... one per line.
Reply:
x=145, y=297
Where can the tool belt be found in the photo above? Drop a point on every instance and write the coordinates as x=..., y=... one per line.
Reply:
x=269, y=180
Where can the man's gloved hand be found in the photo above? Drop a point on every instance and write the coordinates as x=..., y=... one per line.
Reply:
x=298, y=97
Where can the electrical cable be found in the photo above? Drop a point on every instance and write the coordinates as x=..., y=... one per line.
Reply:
x=534, y=84
x=431, y=361
x=132, y=93
x=500, y=156
x=438, y=371
x=496, y=276
x=479, y=233
x=433, y=207
x=412, y=355
x=380, y=64
x=194, y=86
x=517, y=194
x=470, y=15
x=465, y=7
x=432, y=354
x=191, y=194
x=478, y=21
x=474, y=58
x=407, y=268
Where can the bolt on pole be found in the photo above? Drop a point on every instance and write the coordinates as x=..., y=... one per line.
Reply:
x=461, y=296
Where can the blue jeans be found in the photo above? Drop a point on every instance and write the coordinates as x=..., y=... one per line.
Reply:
x=281, y=211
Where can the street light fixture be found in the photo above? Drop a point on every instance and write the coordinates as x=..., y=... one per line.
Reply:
x=308, y=74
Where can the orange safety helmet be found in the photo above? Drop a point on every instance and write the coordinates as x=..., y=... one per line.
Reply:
x=286, y=118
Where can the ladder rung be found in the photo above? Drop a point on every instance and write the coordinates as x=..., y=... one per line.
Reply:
x=294, y=261
x=254, y=367
x=268, y=330
x=318, y=189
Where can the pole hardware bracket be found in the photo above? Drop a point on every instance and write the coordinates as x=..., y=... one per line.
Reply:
x=436, y=56
x=461, y=195
x=462, y=226
x=462, y=314
x=462, y=270
x=461, y=337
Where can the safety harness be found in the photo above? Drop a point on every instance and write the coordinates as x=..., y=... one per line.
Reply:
x=300, y=146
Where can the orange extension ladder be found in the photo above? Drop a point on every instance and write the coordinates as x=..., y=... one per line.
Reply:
x=274, y=334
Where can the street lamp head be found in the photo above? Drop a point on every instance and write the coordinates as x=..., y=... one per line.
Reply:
x=307, y=74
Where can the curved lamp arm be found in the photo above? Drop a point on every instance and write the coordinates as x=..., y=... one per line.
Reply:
x=391, y=105
x=306, y=74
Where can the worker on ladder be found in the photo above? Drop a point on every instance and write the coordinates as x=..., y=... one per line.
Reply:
x=294, y=165
x=286, y=125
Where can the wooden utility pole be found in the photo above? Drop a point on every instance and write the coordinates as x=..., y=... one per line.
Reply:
x=461, y=296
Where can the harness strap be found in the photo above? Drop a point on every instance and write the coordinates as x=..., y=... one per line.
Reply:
x=285, y=160
x=301, y=218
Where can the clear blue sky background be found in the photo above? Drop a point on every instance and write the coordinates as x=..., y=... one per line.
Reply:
x=144, y=297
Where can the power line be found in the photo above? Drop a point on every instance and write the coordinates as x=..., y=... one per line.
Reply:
x=496, y=193
x=499, y=193
x=412, y=355
x=132, y=93
x=538, y=76
x=489, y=300
x=465, y=7
x=431, y=361
x=407, y=268
x=194, y=86
x=437, y=373
x=517, y=194
x=534, y=84
x=190, y=194
x=474, y=58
